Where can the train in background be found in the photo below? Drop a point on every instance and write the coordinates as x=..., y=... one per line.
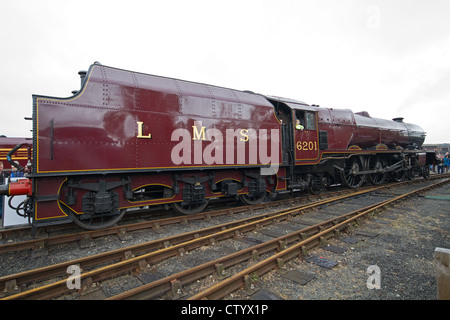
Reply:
x=22, y=156
x=128, y=139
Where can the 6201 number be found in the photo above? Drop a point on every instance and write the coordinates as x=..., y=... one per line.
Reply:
x=306, y=145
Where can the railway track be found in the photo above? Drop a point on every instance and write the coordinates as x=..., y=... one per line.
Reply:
x=293, y=245
x=41, y=244
x=139, y=258
x=168, y=243
x=44, y=242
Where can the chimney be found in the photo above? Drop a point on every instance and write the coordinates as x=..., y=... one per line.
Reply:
x=82, y=76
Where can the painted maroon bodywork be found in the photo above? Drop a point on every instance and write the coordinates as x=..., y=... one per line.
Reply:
x=346, y=129
x=96, y=130
x=347, y=132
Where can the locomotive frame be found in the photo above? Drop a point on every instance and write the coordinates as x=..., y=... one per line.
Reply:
x=107, y=149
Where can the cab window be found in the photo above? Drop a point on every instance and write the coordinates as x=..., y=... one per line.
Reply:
x=310, y=120
x=307, y=119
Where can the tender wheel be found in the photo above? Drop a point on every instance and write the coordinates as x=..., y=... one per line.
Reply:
x=350, y=175
x=315, y=186
x=98, y=203
x=378, y=177
x=186, y=208
x=250, y=199
x=315, y=190
x=96, y=222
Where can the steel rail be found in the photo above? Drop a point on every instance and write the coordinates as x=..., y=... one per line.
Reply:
x=165, y=248
x=315, y=233
x=59, y=269
x=141, y=261
x=40, y=243
x=115, y=230
x=118, y=254
x=164, y=285
x=259, y=269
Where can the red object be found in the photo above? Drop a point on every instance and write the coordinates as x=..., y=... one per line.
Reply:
x=127, y=126
x=20, y=187
x=122, y=120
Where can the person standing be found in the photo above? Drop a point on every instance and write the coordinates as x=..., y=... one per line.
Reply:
x=15, y=173
x=440, y=164
x=446, y=162
x=3, y=176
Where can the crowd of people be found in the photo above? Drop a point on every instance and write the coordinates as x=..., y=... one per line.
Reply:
x=443, y=163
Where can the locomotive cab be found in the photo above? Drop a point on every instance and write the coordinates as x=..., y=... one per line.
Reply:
x=299, y=130
x=300, y=144
x=305, y=134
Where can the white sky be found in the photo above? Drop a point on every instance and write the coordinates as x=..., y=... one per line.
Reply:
x=388, y=57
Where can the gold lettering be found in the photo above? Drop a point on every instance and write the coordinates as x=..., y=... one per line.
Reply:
x=140, y=134
x=198, y=135
x=244, y=135
x=307, y=146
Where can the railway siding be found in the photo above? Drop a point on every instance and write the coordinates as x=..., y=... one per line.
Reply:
x=140, y=265
x=400, y=241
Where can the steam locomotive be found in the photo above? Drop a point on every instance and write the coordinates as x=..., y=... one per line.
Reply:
x=128, y=139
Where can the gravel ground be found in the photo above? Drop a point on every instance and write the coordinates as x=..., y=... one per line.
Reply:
x=15, y=262
x=403, y=249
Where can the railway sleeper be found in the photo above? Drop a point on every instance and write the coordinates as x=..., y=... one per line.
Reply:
x=40, y=250
x=11, y=287
x=88, y=286
x=250, y=284
x=176, y=289
x=221, y=272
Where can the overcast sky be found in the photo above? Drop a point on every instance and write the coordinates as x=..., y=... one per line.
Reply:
x=388, y=57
